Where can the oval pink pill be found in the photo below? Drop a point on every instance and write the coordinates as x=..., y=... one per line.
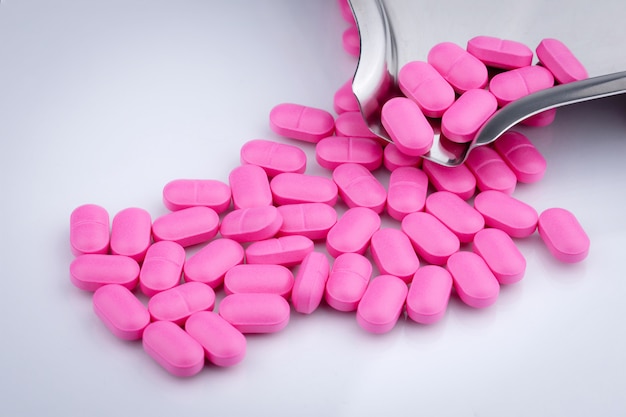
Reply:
x=352, y=124
x=273, y=157
x=131, y=233
x=173, y=348
x=393, y=158
x=351, y=41
x=456, y=214
x=358, y=187
x=120, y=311
x=91, y=271
x=347, y=281
x=458, y=180
x=255, y=313
x=521, y=156
x=430, y=238
x=407, y=126
x=312, y=220
x=500, y=53
x=512, y=85
x=463, y=119
x=344, y=99
x=393, y=254
x=162, y=267
x=429, y=293
x=491, y=172
x=210, y=264
x=565, y=238
x=251, y=224
x=457, y=66
x=353, y=231
x=381, y=305
x=250, y=187
x=506, y=213
x=178, y=303
x=333, y=151
x=284, y=250
x=407, y=192
x=293, y=188
x=259, y=278
x=188, y=226
x=89, y=230
x=184, y=193
x=473, y=280
x=501, y=255
x=223, y=344
x=421, y=82
x=561, y=62
x=310, y=281
x=300, y=122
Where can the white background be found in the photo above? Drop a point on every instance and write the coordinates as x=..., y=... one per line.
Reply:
x=106, y=101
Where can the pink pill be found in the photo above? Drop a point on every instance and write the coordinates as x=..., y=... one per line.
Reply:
x=273, y=157
x=430, y=238
x=187, y=227
x=458, y=180
x=91, y=271
x=346, y=11
x=256, y=313
x=184, y=193
x=344, y=99
x=563, y=235
x=347, y=281
x=358, y=187
x=512, y=85
x=259, y=278
x=491, y=172
x=393, y=158
x=284, y=250
x=429, y=293
x=303, y=123
x=521, y=156
x=543, y=118
x=457, y=66
x=561, y=62
x=131, y=233
x=407, y=126
x=310, y=282
x=351, y=41
x=353, y=231
x=210, y=264
x=473, y=280
x=456, y=214
x=393, y=254
x=223, y=344
x=120, y=311
x=421, y=82
x=506, y=213
x=250, y=187
x=251, y=224
x=351, y=124
x=333, y=151
x=501, y=255
x=500, y=53
x=463, y=119
x=89, y=230
x=162, y=267
x=292, y=188
x=381, y=305
x=407, y=192
x=180, y=302
x=173, y=348
x=312, y=220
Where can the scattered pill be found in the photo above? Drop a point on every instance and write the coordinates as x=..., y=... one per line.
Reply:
x=303, y=123
x=255, y=313
x=500, y=53
x=223, y=344
x=393, y=158
x=347, y=281
x=89, y=230
x=131, y=233
x=273, y=157
x=284, y=250
x=381, y=304
x=358, y=187
x=333, y=151
x=457, y=66
x=561, y=62
x=210, y=264
x=393, y=253
x=187, y=227
x=407, y=126
x=351, y=124
x=173, y=348
x=310, y=282
x=92, y=271
x=512, y=85
x=120, y=311
x=491, y=172
x=184, y=193
x=344, y=99
x=427, y=299
x=458, y=180
x=162, y=267
x=431, y=239
x=407, y=190
x=312, y=220
x=564, y=236
x=473, y=280
x=506, y=213
x=292, y=188
x=251, y=224
x=180, y=302
x=423, y=84
x=461, y=218
x=351, y=41
x=521, y=156
x=501, y=255
x=250, y=187
x=353, y=231
x=259, y=278
x=468, y=113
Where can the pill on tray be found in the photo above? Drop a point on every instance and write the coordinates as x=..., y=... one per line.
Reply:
x=407, y=126
x=564, y=236
x=131, y=233
x=259, y=278
x=255, y=313
x=458, y=180
x=358, y=187
x=273, y=157
x=521, y=156
x=178, y=303
x=89, y=230
x=353, y=231
x=407, y=191
x=300, y=122
x=283, y=250
x=560, y=60
x=430, y=238
x=187, y=227
x=393, y=253
x=429, y=293
x=173, y=348
x=456, y=214
x=500, y=53
x=473, y=280
x=162, y=267
x=292, y=188
x=501, y=255
x=310, y=282
x=512, y=85
x=223, y=344
x=312, y=220
x=184, y=193
x=91, y=271
x=347, y=281
x=423, y=84
x=333, y=151
x=382, y=304
x=470, y=111
x=121, y=311
x=250, y=187
x=210, y=263
x=506, y=213
x=457, y=66
x=251, y=224
x=491, y=172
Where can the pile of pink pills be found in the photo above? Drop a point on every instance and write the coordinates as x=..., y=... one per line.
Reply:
x=257, y=238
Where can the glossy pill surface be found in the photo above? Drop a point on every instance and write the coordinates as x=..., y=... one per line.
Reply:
x=283, y=250
x=187, y=227
x=512, y=85
x=259, y=278
x=255, y=313
x=347, y=281
x=292, y=188
x=184, y=193
x=89, y=230
x=458, y=180
x=310, y=282
x=251, y=224
x=521, y=155
x=461, y=218
x=223, y=344
x=393, y=253
x=162, y=267
x=250, y=187
x=300, y=122
x=563, y=234
x=178, y=303
x=500, y=53
x=91, y=271
x=468, y=113
x=423, y=84
x=501, y=255
x=430, y=238
x=358, y=187
x=429, y=293
x=473, y=280
x=560, y=60
x=173, y=348
x=381, y=305
x=210, y=264
x=491, y=172
x=506, y=213
x=407, y=191
x=312, y=220
x=353, y=231
x=457, y=66
x=120, y=311
x=333, y=151
x=407, y=126
x=344, y=99
x=273, y=157
x=351, y=124
x=393, y=158
x=131, y=233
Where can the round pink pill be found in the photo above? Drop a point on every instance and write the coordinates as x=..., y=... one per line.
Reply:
x=382, y=304
x=173, y=348
x=89, y=230
x=300, y=122
x=407, y=126
x=564, y=236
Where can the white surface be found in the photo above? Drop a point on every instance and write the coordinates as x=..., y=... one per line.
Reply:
x=105, y=101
